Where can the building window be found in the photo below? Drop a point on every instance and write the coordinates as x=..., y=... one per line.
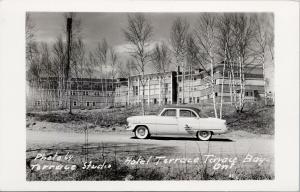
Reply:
x=191, y=99
x=198, y=100
x=216, y=94
x=135, y=90
x=74, y=103
x=180, y=89
x=85, y=93
x=87, y=104
x=246, y=93
x=155, y=101
x=180, y=100
x=94, y=104
x=166, y=100
x=251, y=93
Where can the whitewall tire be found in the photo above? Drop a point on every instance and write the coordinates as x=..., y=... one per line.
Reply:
x=141, y=132
x=204, y=135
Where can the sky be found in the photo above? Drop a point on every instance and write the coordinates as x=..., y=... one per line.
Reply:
x=97, y=26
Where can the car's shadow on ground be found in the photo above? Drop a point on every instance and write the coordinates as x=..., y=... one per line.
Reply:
x=185, y=139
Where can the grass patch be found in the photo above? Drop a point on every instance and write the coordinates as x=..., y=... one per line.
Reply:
x=256, y=118
x=115, y=155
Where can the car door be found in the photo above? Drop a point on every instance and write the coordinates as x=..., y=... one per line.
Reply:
x=167, y=123
x=188, y=122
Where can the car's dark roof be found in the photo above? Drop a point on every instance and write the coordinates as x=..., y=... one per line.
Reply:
x=182, y=106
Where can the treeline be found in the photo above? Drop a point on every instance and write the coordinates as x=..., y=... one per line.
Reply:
x=238, y=41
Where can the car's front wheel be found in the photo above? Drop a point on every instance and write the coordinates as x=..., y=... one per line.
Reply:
x=141, y=132
x=204, y=135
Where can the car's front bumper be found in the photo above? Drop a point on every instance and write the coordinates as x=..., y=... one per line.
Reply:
x=129, y=127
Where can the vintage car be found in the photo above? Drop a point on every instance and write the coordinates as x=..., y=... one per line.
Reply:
x=177, y=121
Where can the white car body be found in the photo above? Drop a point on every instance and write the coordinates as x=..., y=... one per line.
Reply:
x=180, y=123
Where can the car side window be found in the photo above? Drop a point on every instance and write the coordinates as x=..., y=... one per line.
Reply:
x=187, y=113
x=169, y=113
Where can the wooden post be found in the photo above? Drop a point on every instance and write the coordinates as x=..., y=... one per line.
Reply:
x=128, y=90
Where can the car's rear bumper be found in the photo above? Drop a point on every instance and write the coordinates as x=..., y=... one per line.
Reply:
x=221, y=131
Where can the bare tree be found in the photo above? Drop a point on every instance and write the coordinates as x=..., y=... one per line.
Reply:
x=78, y=58
x=161, y=59
x=29, y=28
x=89, y=68
x=31, y=45
x=32, y=52
x=245, y=57
x=78, y=65
x=113, y=70
x=58, y=60
x=64, y=57
x=45, y=61
x=138, y=33
x=225, y=50
x=101, y=54
x=125, y=71
x=205, y=33
x=179, y=33
x=263, y=27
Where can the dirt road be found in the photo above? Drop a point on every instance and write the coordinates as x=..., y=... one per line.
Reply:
x=231, y=143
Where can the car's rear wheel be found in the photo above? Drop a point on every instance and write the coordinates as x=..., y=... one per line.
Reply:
x=141, y=132
x=204, y=135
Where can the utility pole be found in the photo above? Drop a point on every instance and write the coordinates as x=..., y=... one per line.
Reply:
x=177, y=81
x=67, y=70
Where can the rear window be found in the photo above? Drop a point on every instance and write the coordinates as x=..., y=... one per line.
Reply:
x=169, y=113
x=201, y=114
x=187, y=113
